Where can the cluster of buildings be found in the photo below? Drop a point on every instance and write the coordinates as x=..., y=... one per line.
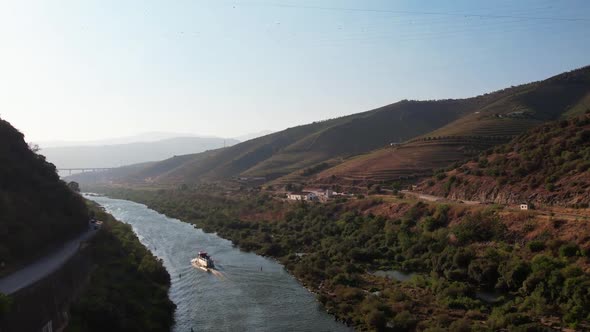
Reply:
x=321, y=195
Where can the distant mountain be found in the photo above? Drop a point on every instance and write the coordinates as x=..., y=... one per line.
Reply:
x=250, y=136
x=37, y=210
x=404, y=140
x=547, y=165
x=143, y=137
x=131, y=153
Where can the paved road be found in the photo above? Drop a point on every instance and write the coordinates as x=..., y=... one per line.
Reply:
x=44, y=266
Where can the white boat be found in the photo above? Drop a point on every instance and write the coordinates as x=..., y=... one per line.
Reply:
x=203, y=261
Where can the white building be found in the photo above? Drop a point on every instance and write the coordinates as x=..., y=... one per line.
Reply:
x=301, y=196
x=524, y=206
x=322, y=194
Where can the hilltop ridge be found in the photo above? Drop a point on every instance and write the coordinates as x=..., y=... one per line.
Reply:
x=115, y=155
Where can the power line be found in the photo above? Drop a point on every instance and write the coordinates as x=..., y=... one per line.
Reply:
x=411, y=12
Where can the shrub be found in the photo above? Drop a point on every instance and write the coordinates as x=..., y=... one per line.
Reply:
x=483, y=271
x=404, y=321
x=479, y=227
x=429, y=224
x=583, y=166
x=376, y=319
x=461, y=325
x=583, y=137
x=536, y=246
x=569, y=250
x=513, y=273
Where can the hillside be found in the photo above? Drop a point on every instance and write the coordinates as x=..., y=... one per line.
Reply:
x=507, y=114
x=546, y=165
x=356, y=148
x=37, y=210
x=283, y=152
x=116, y=155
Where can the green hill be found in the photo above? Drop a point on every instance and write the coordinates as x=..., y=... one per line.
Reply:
x=37, y=210
x=547, y=165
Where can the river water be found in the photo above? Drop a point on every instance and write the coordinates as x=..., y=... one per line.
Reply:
x=250, y=292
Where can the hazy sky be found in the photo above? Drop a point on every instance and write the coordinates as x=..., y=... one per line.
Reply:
x=80, y=70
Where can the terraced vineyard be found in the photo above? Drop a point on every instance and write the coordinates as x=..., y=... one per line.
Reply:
x=495, y=125
x=415, y=159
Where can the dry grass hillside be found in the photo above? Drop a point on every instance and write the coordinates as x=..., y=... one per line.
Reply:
x=547, y=165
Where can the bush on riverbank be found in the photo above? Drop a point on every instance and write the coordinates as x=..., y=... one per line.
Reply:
x=128, y=290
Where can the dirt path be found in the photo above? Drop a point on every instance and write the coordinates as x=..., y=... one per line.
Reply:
x=432, y=198
x=548, y=213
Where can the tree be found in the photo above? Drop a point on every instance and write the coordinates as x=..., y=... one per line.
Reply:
x=34, y=147
x=74, y=186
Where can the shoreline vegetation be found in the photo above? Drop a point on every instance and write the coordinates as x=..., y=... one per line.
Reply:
x=128, y=288
x=458, y=251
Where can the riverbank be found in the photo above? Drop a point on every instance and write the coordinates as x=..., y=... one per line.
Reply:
x=331, y=247
x=248, y=292
x=128, y=286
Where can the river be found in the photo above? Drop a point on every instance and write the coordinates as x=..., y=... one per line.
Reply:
x=251, y=293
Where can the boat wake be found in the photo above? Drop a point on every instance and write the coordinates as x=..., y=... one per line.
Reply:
x=218, y=274
x=213, y=271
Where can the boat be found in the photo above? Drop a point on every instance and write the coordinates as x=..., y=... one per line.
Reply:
x=203, y=261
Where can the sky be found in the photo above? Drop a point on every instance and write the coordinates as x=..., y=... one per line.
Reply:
x=86, y=70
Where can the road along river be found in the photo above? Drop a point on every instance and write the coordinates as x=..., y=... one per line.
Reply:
x=247, y=293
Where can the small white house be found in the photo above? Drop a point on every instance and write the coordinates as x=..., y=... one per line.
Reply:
x=301, y=196
x=321, y=192
x=524, y=206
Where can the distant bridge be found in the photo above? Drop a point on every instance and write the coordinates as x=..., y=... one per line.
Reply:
x=84, y=170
